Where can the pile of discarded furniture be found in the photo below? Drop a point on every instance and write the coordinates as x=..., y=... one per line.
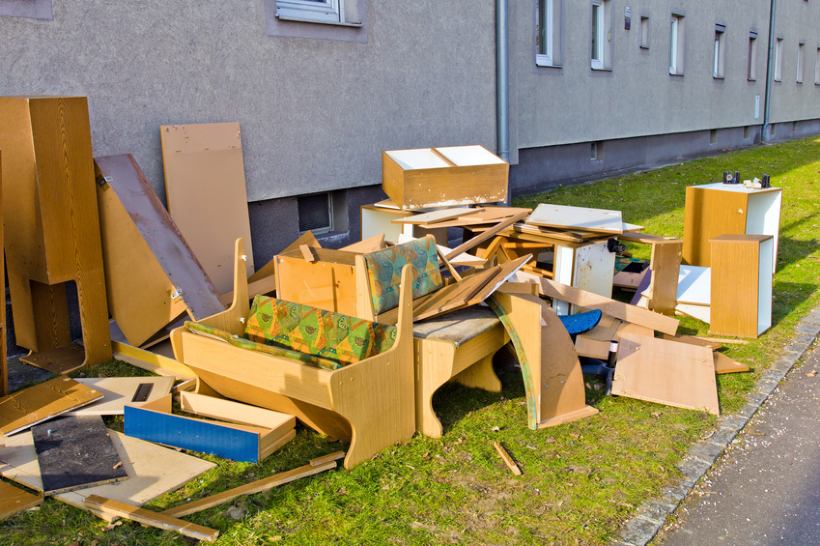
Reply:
x=351, y=342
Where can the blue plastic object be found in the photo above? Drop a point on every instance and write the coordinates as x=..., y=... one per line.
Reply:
x=582, y=322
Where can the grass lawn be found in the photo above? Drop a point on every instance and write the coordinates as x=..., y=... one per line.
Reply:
x=580, y=481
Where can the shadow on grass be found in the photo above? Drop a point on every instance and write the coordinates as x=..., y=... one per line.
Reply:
x=791, y=251
x=788, y=296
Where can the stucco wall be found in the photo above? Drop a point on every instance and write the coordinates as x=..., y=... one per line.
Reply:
x=315, y=114
x=638, y=97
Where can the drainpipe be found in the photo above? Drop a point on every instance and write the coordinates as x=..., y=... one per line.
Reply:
x=503, y=79
x=764, y=137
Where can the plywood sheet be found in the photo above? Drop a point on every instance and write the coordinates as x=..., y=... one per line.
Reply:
x=436, y=216
x=666, y=372
x=75, y=452
x=14, y=500
x=35, y=404
x=207, y=197
x=161, y=236
x=560, y=216
x=118, y=391
x=152, y=470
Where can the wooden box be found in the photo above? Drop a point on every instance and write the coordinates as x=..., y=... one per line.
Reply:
x=443, y=177
x=328, y=283
x=741, y=285
x=718, y=209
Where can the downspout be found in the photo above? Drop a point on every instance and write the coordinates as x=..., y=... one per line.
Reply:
x=503, y=79
x=767, y=101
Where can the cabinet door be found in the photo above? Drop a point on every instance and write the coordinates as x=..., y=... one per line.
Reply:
x=710, y=213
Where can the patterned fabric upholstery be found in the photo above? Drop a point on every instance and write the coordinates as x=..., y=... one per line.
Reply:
x=384, y=272
x=331, y=336
x=242, y=343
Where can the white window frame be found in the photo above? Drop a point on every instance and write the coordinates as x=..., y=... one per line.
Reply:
x=324, y=11
x=817, y=67
x=751, y=66
x=545, y=21
x=801, y=56
x=718, y=62
x=644, y=31
x=778, y=60
x=676, y=44
x=598, y=54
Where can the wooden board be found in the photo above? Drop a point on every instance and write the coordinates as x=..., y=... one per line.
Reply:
x=207, y=197
x=436, y=216
x=665, y=266
x=584, y=219
x=146, y=257
x=724, y=364
x=75, y=452
x=235, y=412
x=666, y=372
x=232, y=441
x=152, y=470
x=692, y=340
x=153, y=361
x=474, y=241
x=694, y=285
x=152, y=519
x=250, y=488
x=39, y=403
x=118, y=391
x=328, y=283
x=623, y=311
x=4, y=378
x=14, y=500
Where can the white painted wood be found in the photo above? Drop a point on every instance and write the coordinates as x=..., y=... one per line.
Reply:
x=375, y=222
x=560, y=216
x=764, y=286
x=700, y=312
x=423, y=158
x=563, y=273
x=118, y=391
x=593, y=271
x=464, y=156
x=695, y=285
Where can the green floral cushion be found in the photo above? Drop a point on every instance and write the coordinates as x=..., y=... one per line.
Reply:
x=384, y=272
x=313, y=331
x=242, y=343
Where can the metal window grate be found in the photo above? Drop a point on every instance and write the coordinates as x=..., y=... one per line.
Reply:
x=315, y=212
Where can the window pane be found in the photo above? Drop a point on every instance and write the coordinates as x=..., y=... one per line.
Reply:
x=596, y=23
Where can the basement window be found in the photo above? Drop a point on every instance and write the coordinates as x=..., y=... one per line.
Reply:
x=315, y=212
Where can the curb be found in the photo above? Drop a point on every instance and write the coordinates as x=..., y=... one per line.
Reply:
x=651, y=515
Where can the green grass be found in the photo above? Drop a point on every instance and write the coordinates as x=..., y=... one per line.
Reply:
x=580, y=481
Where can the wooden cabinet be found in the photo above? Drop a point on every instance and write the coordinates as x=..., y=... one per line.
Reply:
x=718, y=209
x=377, y=220
x=741, y=298
x=443, y=177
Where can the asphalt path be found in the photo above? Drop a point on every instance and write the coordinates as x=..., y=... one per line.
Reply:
x=765, y=488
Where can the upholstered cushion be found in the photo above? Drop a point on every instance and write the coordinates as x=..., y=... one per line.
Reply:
x=317, y=332
x=384, y=272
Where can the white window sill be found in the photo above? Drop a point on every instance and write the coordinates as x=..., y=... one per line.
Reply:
x=306, y=20
x=544, y=64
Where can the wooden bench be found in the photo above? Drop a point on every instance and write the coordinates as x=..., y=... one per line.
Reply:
x=369, y=403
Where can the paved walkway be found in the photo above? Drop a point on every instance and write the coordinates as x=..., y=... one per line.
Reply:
x=765, y=489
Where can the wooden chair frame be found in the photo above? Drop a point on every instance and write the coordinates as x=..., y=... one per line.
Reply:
x=369, y=403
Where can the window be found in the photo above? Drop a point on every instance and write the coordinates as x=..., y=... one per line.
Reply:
x=341, y=20
x=33, y=9
x=676, y=45
x=751, y=67
x=800, y=58
x=817, y=67
x=778, y=60
x=315, y=11
x=601, y=19
x=720, y=47
x=644, y=44
x=548, y=32
x=315, y=212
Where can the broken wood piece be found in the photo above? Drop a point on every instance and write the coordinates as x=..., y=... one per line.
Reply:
x=693, y=340
x=666, y=372
x=75, y=452
x=41, y=402
x=248, y=489
x=623, y=311
x=14, y=500
x=307, y=254
x=580, y=218
x=724, y=364
x=370, y=244
x=727, y=341
x=436, y=216
x=152, y=519
x=118, y=391
x=447, y=264
x=470, y=243
x=318, y=461
x=507, y=459
x=234, y=412
x=665, y=266
x=151, y=361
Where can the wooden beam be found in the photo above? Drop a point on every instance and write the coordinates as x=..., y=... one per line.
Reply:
x=248, y=489
x=152, y=519
x=613, y=308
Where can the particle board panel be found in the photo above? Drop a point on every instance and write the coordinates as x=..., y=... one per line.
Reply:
x=328, y=283
x=235, y=412
x=118, y=391
x=147, y=259
x=152, y=470
x=39, y=403
x=4, y=378
x=694, y=285
x=436, y=216
x=14, y=500
x=151, y=519
x=158, y=360
x=724, y=364
x=75, y=452
x=666, y=372
x=665, y=266
x=206, y=193
x=580, y=218
x=232, y=441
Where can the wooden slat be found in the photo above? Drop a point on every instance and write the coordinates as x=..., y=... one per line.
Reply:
x=36, y=404
x=152, y=519
x=507, y=459
x=248, y=489
x=14, y=500
x=467, y=245
x=324, y=459
x=623, y=311
x=207, y=198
